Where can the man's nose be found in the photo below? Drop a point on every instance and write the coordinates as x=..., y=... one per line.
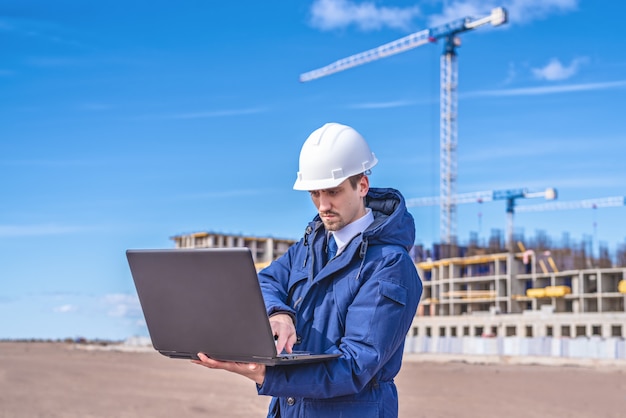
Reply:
x=324, y=203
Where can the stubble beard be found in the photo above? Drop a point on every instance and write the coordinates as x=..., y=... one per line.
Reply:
x=334, y=225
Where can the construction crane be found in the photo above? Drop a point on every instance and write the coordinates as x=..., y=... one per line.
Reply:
x=448, y=97
x=510, y=195
x=604, y=202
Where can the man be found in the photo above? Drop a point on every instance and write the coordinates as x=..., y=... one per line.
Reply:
x=359, y=302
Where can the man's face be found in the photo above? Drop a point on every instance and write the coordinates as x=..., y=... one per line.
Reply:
x=341, y=205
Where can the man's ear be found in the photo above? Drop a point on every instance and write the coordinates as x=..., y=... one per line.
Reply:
x=364, y=186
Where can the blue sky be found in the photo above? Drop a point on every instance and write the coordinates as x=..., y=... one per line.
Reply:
x=124, y=123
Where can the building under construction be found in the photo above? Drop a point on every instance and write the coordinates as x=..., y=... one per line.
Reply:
x=264, y=250
x=519, y=294
x=528, y=295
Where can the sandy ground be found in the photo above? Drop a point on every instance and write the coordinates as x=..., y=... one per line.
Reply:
x=61, y=380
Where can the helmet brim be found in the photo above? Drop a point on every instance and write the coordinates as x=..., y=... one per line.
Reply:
x=308, y=185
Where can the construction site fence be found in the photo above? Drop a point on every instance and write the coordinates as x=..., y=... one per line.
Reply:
x=578, y=347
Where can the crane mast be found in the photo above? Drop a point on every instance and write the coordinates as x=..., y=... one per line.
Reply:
x=448, y=131
x=448, y=140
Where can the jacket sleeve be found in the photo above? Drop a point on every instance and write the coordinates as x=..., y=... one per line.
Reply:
x=376, y=325
x=274, y=281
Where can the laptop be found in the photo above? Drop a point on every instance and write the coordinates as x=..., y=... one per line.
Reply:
x=207, y=301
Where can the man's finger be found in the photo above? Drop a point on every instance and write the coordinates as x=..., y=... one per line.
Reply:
x=282, y=344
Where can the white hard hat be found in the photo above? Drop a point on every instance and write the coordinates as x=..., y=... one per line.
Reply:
x=330, y=155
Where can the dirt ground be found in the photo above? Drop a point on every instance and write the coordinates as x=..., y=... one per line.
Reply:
x=61, y=380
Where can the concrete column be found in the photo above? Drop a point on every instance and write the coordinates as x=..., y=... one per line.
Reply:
x=269, y=250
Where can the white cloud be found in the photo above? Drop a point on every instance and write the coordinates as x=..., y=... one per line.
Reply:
x=525, y=11
x=218, y=113
x=458, y=10
x=536, y=91
x=554, y=70
x=337, y=14
x=65, y=308
x=123, y=305
x=519, y=11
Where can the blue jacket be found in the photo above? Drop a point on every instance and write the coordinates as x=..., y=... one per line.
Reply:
x=361, y=305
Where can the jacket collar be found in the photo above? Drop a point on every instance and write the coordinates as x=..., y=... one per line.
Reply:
x=345, y=234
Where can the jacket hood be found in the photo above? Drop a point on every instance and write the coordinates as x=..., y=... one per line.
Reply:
x=393, y=224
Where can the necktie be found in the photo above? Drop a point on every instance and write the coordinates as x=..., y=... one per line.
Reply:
x=331, y=248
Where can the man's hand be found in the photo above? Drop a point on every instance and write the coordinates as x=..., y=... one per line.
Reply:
x=252, y=371
x=282, y=328
x=284, y=331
